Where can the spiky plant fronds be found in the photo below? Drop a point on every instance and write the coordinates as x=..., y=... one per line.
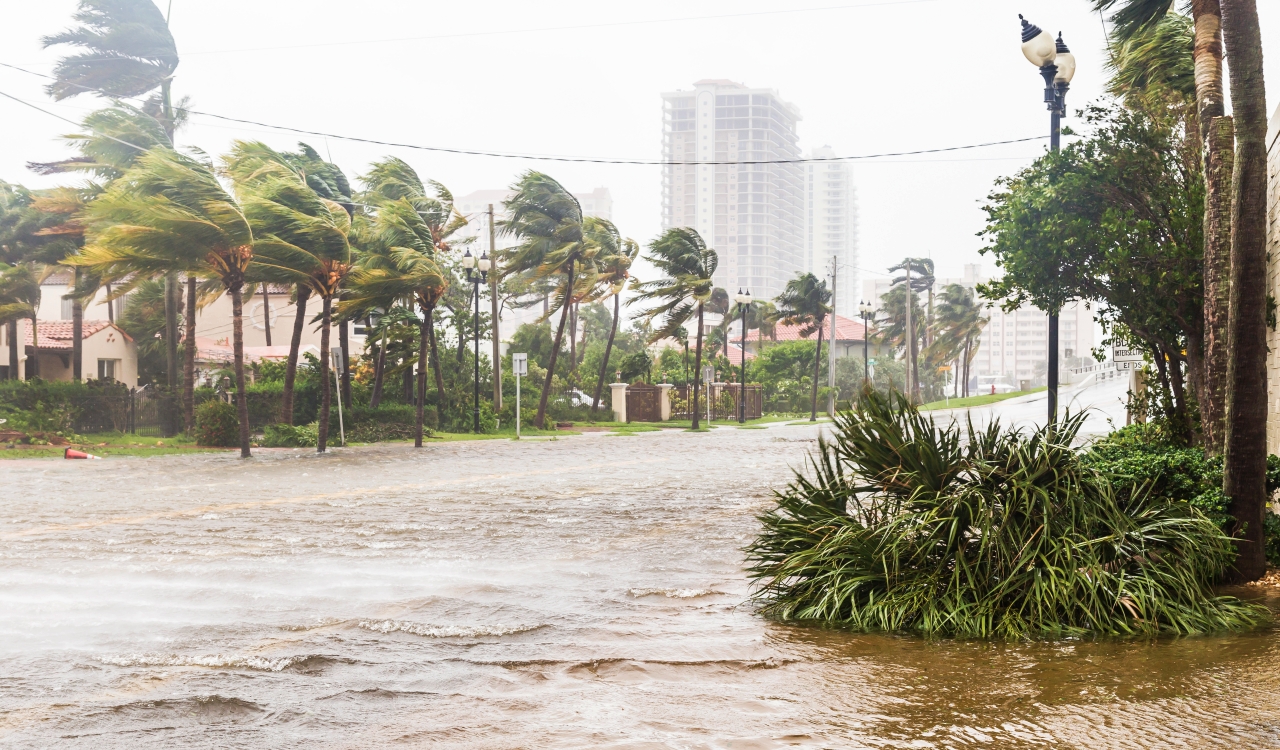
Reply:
x=127, y=50
x=902, y=525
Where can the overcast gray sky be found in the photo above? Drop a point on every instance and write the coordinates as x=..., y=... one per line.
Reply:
x=583, y=79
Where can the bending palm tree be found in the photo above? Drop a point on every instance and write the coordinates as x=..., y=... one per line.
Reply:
x=806, y=302
x=687, y=265
x=299, y=238
x=613, y=268
x=548, y=221
x=167, y=212
x=127, y=51
x=958, y=328
x=19, y=298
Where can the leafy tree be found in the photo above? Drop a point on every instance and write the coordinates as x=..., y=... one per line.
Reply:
x=1115, y=219
x=806, y=302
x=170, y=211
x=547, y=220
x=683, y=291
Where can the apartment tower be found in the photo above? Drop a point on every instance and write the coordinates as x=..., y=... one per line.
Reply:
x=723, y=143
x=831, y=229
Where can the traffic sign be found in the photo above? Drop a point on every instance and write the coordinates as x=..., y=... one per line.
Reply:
x=1124, y=354
x=520, y=364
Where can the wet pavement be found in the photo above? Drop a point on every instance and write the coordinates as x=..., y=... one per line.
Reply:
x=583, y=592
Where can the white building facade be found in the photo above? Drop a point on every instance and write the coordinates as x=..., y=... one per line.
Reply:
x=831, y=229
x=752, y=214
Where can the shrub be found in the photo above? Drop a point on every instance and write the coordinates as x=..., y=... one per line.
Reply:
x=901, y=525
x=217, y=424
x=288, y=436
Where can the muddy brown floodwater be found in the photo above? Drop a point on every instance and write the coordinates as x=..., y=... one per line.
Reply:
x=586, y=593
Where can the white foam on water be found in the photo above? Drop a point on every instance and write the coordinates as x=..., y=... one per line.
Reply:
x=444, y=631
x=217, y=661
x=671, y=593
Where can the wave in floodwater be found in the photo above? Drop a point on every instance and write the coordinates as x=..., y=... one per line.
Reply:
x=441, y=597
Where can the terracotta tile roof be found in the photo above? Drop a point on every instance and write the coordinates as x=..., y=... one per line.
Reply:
x=209, y=351
x=846, y=330
x=56, y=334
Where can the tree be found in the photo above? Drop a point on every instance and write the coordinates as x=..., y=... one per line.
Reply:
x=613, y=269
x=19, y=298
x=1116, y=219
x=957, y=327
x=170, y=211
x=1245, y=457
x=547, y=220
x=919, y=272
x=892, y=325
x=127, y=50
x=411, y=237
x=806, y=302
x=299, y=238
x=683, y=291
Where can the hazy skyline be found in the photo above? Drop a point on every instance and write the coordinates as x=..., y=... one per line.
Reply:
x=868, y=78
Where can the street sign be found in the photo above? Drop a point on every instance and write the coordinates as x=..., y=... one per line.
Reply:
x=520, y=364
x=1120, y=354
x=708, y=374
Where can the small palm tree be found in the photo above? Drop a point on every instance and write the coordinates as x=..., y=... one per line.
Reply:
x=170, y=211
x=299, y=238
x=547, y=219
x=806, y=302
x=686, y=265
x=19, y=298
x=613, y=267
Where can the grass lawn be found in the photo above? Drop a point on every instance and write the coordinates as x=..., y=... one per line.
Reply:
x=960, y=403
x=112, y=444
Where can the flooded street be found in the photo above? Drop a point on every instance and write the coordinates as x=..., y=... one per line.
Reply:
x=586, y=592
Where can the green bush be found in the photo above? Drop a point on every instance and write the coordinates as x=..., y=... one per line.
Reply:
x=288, y=436
x=54, y=405
x=217, y=424
x=902, y=525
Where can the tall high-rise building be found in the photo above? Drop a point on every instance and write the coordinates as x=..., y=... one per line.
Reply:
x=831, y=230
x=752, y=214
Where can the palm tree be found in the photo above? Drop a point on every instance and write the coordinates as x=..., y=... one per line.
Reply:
x=547, y=220
x=613, y=268
x=413, y=230
x=126, y=50
x=299, y=238
x=169, y=211
x=686, y=265
x=19, y=298
x=892, y=326
x=806, y=302
x=958, y=327
x=1245, y=457
x=919, y=278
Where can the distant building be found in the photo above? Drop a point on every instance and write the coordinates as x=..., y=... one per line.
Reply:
x=1013, y=345
x=752, y=214
x=831, y=215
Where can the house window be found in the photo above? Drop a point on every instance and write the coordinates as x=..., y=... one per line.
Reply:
x=108, y=369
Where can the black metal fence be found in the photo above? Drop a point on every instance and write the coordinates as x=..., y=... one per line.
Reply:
x=724, y=399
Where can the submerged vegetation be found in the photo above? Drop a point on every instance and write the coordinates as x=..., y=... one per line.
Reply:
x=900, y=524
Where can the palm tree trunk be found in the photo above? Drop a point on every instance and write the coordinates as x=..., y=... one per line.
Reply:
x=424, y=335
x=237, y=341
x=1245, y=457
x=608, y=350
x=435, y=368
x=77, y=332
x=697, y=369
x=541, y=418
x=1217, y=141
x=111, y=310
x=12, y=336
x=189, y=359
x=326, y=389
x=34, y=359
x=1219, y=162
x=817, y=362
x=379, y=370
x=295, y=343
x=266, y=313
x=573, y=340
x=171, y=329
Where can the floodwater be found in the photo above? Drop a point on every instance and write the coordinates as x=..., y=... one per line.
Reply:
x=582, y=593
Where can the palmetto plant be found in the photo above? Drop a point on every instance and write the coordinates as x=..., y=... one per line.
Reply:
x=169, y=211
x=613, y=260
x=806, y=302
x=300, y=238
x=404, y=259
x=681, y=293
x=548, y=222
x=899, y=524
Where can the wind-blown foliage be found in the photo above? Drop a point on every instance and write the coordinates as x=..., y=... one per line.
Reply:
x=127, y=50
x=902, y=525
x=806, y=302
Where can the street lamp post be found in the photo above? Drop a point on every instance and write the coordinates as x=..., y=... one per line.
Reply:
x=744, y=301
x=864, y=311
x=477, y=273
x=1057, y=66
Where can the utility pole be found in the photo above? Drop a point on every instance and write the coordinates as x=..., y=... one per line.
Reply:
x=908, y=337
x=493, y=290
x=831, y=345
